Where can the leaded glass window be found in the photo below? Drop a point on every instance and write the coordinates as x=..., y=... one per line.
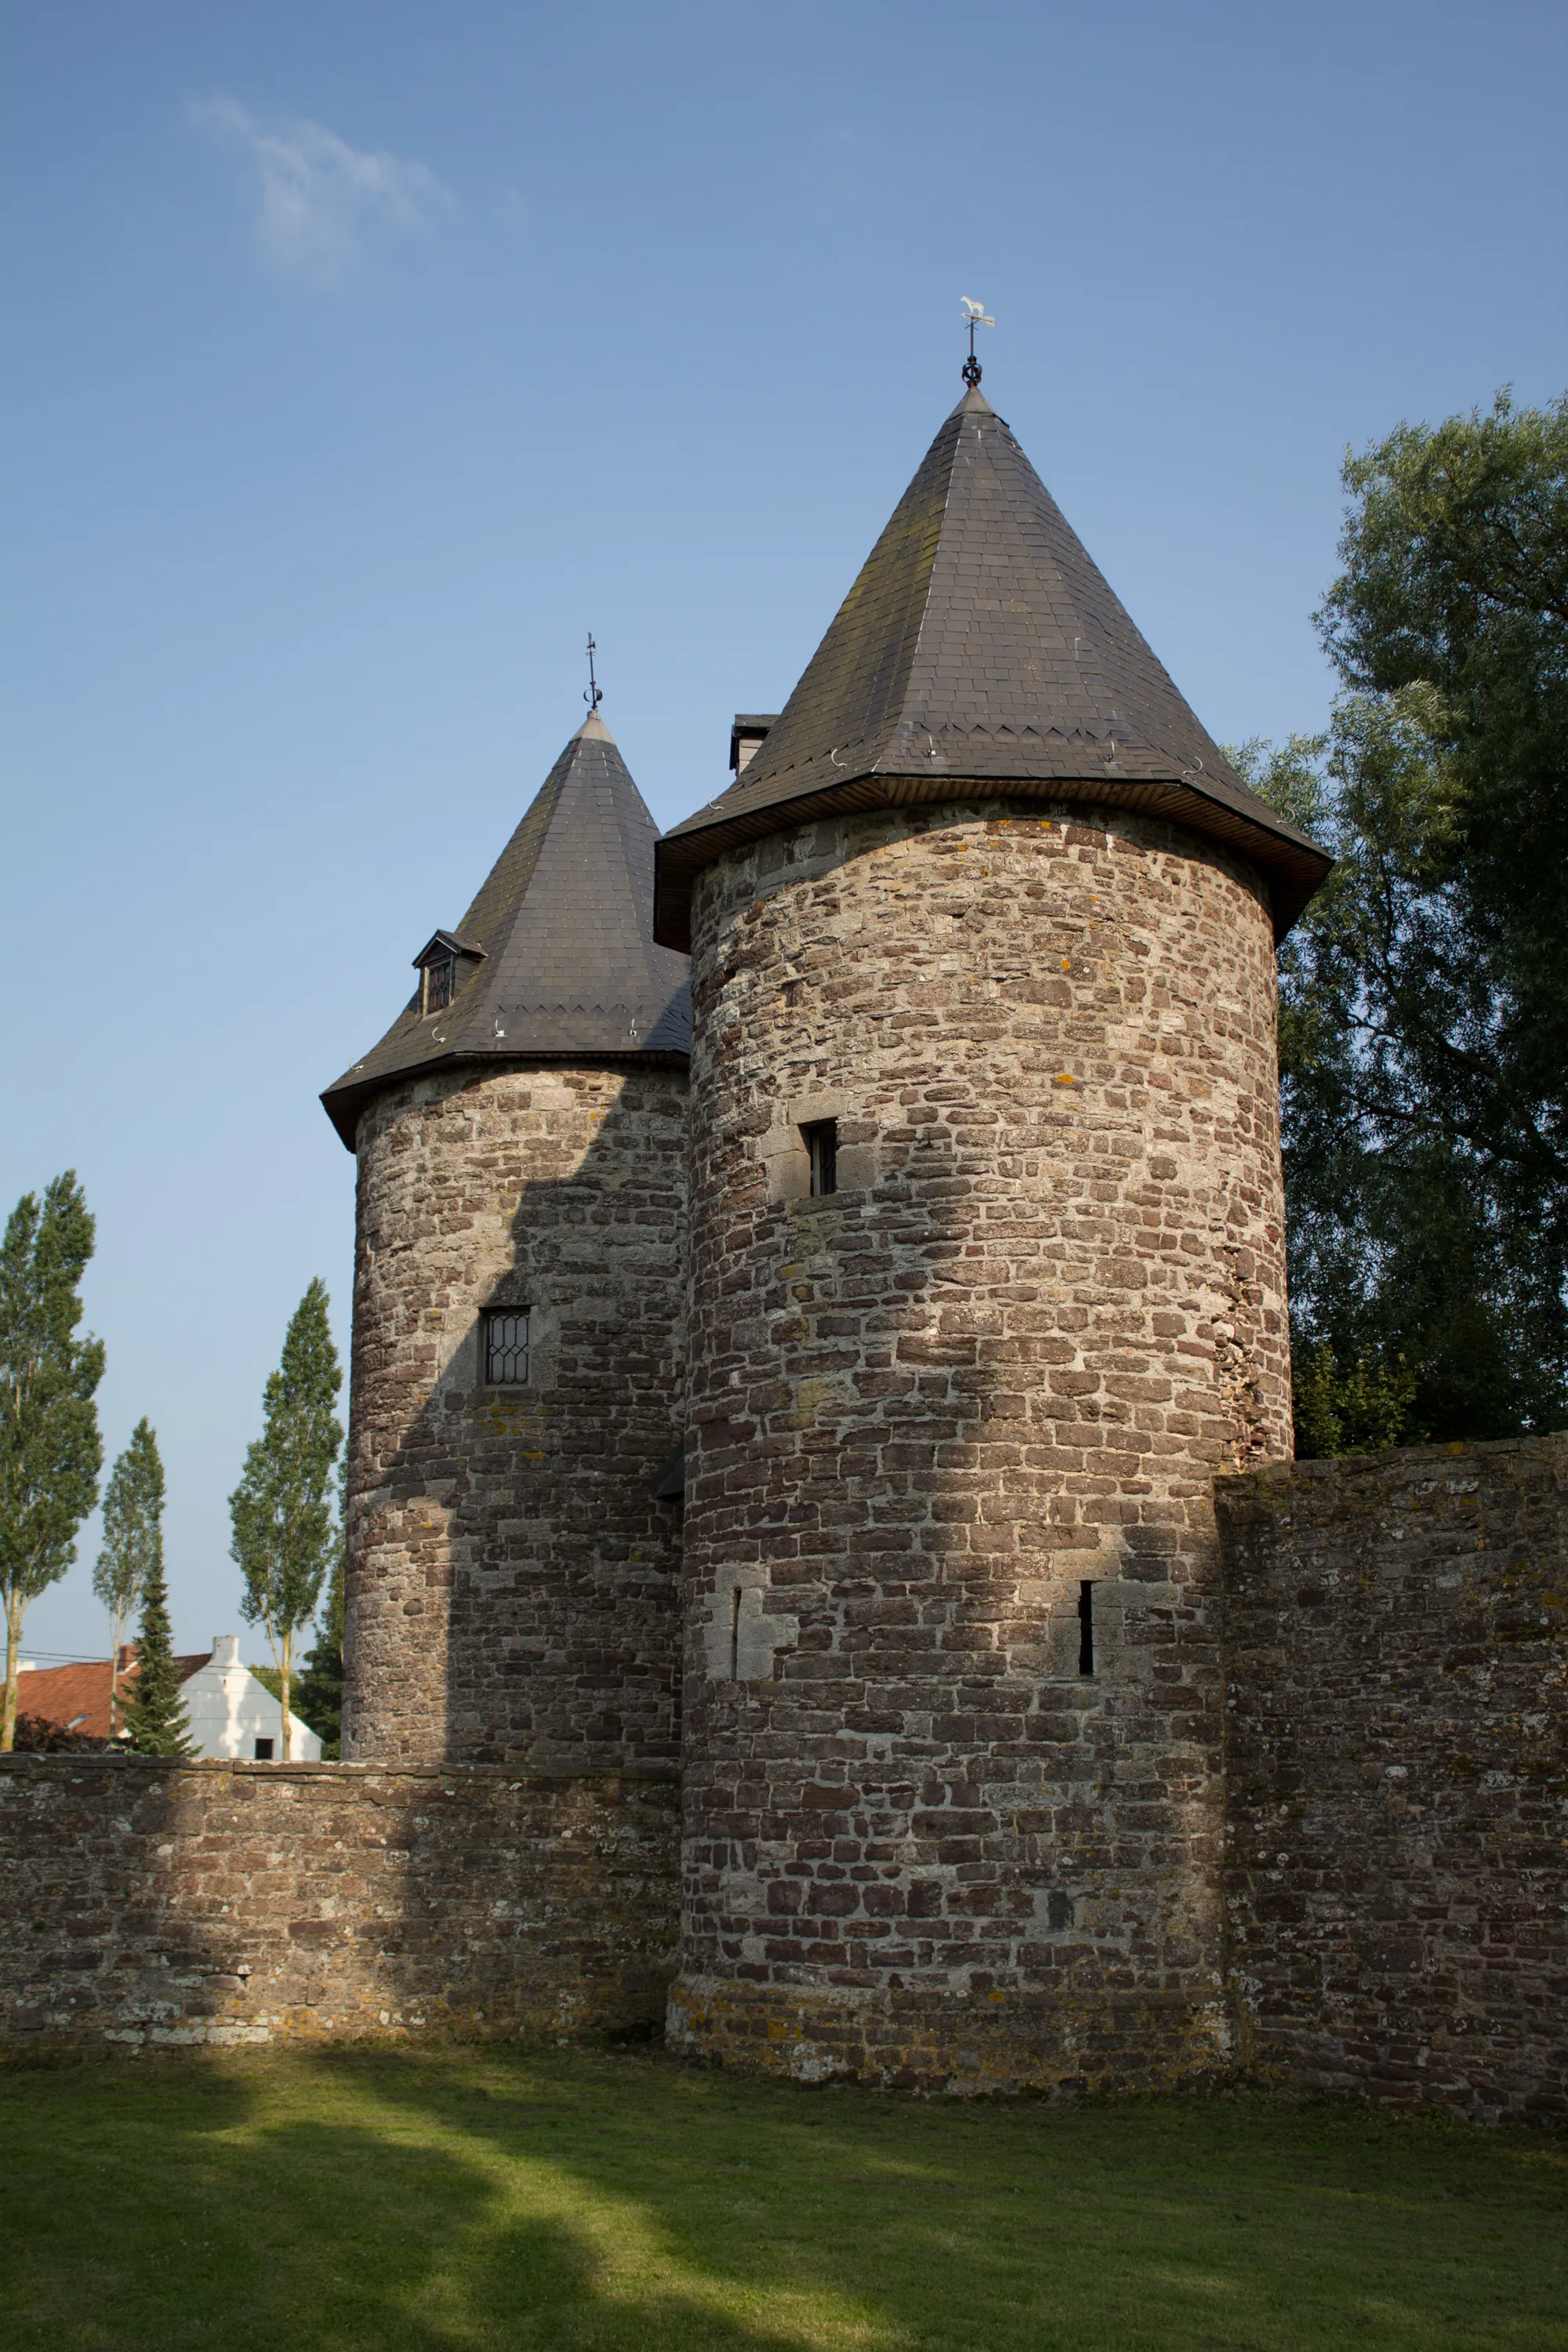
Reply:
x=439, y=982
x=506, y=1347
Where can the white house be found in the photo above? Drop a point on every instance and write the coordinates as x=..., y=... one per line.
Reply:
x=234, y=1715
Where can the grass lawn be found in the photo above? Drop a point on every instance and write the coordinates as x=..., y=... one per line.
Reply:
x=433, y=2201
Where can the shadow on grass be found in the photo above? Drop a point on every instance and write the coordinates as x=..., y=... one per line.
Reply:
x=187, y=2202
x=428, y=2200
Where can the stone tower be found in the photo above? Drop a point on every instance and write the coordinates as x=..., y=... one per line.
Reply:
x=987, y=1284
x=512, y=1584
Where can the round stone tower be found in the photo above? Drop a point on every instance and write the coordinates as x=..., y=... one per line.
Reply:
x=987, y=1284
x=512, y=1588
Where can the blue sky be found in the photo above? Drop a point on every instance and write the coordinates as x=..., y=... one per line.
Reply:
x=365, y=354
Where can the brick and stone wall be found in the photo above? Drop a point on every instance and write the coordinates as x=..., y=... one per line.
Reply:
x=148, y=1904
x=1396, y=1665
x=1002, y=1363
x=513, y=1592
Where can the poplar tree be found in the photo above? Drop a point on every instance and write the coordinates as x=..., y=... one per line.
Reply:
x=50, y=1452
x=156, y=1722
x=284, y=1526
x=320, y=1685
x=133, y=1540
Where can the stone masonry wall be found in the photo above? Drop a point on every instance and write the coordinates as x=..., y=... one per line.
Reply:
x=1396, y=1665
x=155, y=1904
x=513, y=1591
x=1002, y=1363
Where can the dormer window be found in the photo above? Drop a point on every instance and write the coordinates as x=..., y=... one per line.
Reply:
x=444, y=963
x=747, y=736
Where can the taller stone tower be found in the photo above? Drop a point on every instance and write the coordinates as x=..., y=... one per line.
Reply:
x=987, y=1284
x=512, y=1583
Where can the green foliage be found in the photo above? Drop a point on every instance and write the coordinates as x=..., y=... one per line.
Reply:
x=50, y=1453
x=1417, y=1231
x=1455, y=578
x=320, y=1688
x=1424, y=995
x=152, y=1712
x=317, y=1695
x=133, y=1535
x=1362, y=1408
x=284, y=1532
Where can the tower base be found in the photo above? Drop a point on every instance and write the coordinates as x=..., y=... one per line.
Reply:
x=1069, y=2043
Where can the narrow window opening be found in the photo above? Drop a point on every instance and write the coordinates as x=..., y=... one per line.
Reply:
x=264, y=1751
x=821, y=1140
x=440, y=983
x=506, y=1347
x=735, y=1634
x=1086, y=1627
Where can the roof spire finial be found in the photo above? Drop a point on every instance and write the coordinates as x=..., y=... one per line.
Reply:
x=592, y=693
x=974, y=316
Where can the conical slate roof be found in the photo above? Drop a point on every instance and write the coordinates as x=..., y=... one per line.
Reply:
x=555, y=958
x=981, y=641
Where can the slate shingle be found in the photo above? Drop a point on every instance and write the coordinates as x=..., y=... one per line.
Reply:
x=980, y=640
x=564, y=918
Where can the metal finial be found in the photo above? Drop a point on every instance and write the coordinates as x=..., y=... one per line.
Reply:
x=974, y=316
x=592, y=693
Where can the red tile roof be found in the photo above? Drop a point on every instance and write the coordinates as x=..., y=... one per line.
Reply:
x=77, y=1698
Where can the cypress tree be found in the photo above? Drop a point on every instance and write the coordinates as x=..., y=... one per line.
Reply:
x=154, y=1714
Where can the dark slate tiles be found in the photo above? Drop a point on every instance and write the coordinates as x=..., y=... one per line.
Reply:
x=980, y=640
x=565, y=920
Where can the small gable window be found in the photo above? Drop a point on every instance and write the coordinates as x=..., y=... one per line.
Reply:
x=506, y=1347
x=444, y=963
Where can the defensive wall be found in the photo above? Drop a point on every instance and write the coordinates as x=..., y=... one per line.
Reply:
x=1396, y=1744
x=149, y=1903
x=1394, y=1661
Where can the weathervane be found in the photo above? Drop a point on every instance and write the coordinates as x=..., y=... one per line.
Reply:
x=592, y=693
x=974, y=316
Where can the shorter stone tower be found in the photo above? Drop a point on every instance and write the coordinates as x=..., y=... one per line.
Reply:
x=512, y=1583
x=987, y=1283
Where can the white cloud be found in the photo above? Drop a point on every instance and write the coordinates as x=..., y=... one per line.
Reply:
x=315, y=194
